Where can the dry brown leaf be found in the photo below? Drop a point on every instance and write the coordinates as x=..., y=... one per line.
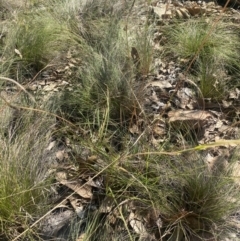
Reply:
x=182, y=13
x=77, y=206
x=97, y=182
x=193, y=119
x=61, y=175
x=160, y=10
x=83, y=190
x=159, y=128
x=136, y=224
x=182, y=115
x=195, y=10
x=50, y=87
x=185, y=13
x=162, y=84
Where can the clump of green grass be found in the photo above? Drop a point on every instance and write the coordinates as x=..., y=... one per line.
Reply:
x=209, y=49
x=212, y=81
x=188, y=198
x=141, y=39
x=200, y=200
x=104, y=93
x=35, y=38
x=143, y=51
x=200, y=39
x=23, y=185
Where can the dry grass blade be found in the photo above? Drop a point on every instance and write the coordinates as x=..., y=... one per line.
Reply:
x=20, y=86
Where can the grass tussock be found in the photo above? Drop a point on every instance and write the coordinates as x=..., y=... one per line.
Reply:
x=210, y=50
x=23, y=185
x=200, y=200
x=35, y=38
x=104, y=89
x=200, y=38
x=183, y=194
